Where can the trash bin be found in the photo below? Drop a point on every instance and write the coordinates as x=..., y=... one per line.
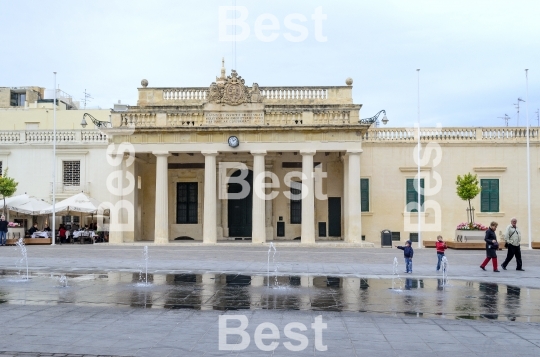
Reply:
x=386, y=238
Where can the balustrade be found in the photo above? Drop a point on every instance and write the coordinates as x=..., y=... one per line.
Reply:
x=185, y=119
x=185, y=94
x=294, y=93
x=138, y=120
x=518, y=134
x=47, y=137
x=331, y=117
x=7, y=137
x=283, y=118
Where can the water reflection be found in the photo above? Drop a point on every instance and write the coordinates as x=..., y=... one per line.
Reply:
x=489, y=298
x=419, y=297
x=513, y=301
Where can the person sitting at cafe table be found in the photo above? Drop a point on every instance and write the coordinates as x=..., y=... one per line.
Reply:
x=47, y=229
x=62, y=234
x=33, y=230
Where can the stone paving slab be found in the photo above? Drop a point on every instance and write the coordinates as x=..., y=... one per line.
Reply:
x=246, y=258
x=195, y=333
x=68, y=330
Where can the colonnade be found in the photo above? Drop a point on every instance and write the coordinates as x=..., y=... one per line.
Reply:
x=351, y=197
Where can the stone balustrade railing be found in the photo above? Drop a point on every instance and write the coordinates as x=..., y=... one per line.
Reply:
x=47, y=137
x=271, y=95
x=294, y=93
x=138, y=120
x=331, y=117
x=197, y=94
x=283, y=118
x=451, y=134
x=185, y=119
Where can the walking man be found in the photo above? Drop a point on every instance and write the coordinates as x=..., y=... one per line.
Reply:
x=512, y=237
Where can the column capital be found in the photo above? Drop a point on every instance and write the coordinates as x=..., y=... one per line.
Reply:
x=161, y=153
x=308, y=152
x=258, y=152
x=210, y=153
x=354, y=152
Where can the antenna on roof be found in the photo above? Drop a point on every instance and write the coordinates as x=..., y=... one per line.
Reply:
x=517, y=107
x=506, y=118
x=87, y=97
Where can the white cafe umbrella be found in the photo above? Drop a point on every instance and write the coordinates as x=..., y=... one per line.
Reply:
x=77, y=203
x=14, y=200
x=32, y=206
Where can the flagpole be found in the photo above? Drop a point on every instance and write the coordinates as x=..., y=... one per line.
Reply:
x=419, y=202
x=54, y=168
x=528, y=162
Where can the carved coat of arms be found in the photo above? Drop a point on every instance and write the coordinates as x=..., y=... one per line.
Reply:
x=233, y=91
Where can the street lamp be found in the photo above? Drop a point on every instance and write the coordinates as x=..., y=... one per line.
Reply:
x=97, y=123
x=374, y=118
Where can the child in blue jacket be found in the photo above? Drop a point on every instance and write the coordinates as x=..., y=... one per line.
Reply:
x=408, y=253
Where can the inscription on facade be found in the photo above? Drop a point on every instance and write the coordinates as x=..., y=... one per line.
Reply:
x=234, y=118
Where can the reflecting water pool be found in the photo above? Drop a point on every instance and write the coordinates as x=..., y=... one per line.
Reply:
x=406, y=296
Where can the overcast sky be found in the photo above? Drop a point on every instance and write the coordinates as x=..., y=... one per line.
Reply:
x=472, y=54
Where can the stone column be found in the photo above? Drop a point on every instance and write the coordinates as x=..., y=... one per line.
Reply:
x=354, y=211
x=161, y=231
x=219, y=210
x=258, y=231
x=345, y=196
x=209, y=209
x=269, y=208
x=308, y=202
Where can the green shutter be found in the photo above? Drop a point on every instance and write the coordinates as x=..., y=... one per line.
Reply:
x=494, y=199
x=489, y=196
x=364, y=192
x=412, y=195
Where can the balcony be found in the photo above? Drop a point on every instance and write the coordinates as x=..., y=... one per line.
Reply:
x=46, y=137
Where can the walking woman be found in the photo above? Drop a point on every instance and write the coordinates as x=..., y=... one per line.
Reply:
x=491, y=247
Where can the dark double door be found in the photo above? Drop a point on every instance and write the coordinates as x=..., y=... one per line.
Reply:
x=334, y=216
x=240, y=210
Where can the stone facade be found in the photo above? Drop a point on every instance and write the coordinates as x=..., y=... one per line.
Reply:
x=180, y=138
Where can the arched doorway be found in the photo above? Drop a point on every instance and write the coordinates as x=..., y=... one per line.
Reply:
x=240, y=210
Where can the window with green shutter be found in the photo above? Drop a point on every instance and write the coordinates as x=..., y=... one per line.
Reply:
x=489, y=196
x=364, y=193
x=412, y=195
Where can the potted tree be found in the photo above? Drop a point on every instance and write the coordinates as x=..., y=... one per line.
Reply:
x=468, y=188
x=8, y=186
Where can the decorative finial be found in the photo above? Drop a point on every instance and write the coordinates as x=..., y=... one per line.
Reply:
x=349, y=81
x=144, y=83
x=223, y=68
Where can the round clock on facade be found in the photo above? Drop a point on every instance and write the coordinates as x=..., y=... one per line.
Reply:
x=233, y=141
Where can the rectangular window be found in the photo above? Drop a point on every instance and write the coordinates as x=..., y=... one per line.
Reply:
x=413, y=237
x=364, y=192
x=187, y=202
x=396, y=236
x=18, y=99
x=412, y=196
x=296, y=202
x=489, y=196
x=1, y=172
x=72, y=173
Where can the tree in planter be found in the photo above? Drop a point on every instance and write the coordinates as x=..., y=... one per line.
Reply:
x=467, y=189
x=8, y=186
